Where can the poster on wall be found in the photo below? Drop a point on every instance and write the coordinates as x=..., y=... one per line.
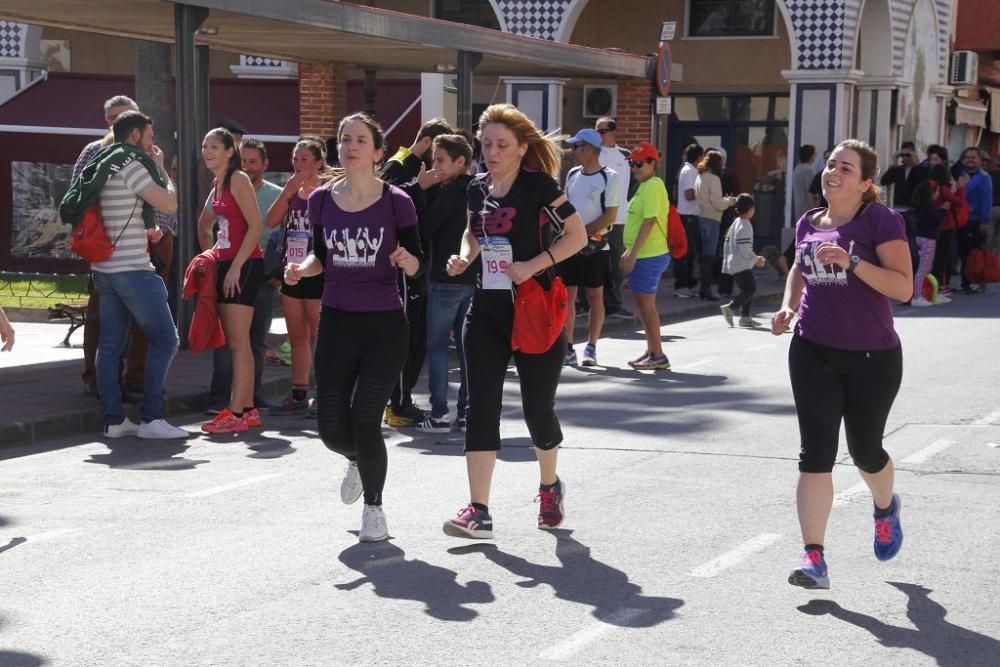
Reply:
x=37, y=189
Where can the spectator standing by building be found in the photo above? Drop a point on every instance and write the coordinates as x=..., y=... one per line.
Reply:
x=300, y=302
x=951, y=199
x=92, y=327
x=845, y=361
x=904, y=177
x=929, y=218
x=615, y=158
x=993, y=237
x=411, y=170
x=369, y=231
x=254, y=163
x=128, y=180
x=802, y=178
x=711, y=205
x=739, y=260
x=647, y=254
x=593, y=191
x=687, y=207
x=979, y=195
x=442, y=226
x=240, y=271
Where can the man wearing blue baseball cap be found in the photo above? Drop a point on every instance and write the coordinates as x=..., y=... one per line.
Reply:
x=595, y=192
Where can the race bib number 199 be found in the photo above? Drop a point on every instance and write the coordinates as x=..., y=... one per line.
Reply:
x=497, y=255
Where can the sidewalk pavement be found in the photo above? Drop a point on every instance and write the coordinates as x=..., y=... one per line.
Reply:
x=42, y=391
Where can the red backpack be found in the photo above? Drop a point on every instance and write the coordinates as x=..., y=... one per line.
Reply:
x=89, y=239
x=676, y=236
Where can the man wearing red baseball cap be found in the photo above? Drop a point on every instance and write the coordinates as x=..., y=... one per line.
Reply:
x=647, y=254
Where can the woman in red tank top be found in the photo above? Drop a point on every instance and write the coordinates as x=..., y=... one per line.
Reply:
x=240, y=271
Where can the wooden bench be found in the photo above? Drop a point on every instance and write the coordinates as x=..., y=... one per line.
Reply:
x=75, y=312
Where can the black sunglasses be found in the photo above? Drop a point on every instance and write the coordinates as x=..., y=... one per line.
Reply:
x=635, y=164
x=604, y=130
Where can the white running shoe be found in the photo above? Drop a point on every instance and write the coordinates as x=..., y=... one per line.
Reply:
x=159, y=429
x=941, y=298
x=373, y=527
x=350, y=488
x=126, y=429
x=920, y=302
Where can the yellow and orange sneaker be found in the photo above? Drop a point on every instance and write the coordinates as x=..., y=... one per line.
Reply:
x=226, y=422
x=252, y=417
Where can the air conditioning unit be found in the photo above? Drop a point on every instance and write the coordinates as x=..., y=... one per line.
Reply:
x=964, y=68
x=600, y=101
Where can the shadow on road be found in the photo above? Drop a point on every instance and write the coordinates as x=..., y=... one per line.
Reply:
x=582, y=579
x=512, y=450
x=270, y=448
x=18, y=659
x=132, y=454
x=948, y=644
x=385, y=567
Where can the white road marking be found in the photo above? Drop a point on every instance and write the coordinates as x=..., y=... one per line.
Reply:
x=988, y=420
x=233, y=485
x=49, y=534
x=575, y=642
x=921, y=455
x=993, y=444
x=734, y=556
x=844, y=496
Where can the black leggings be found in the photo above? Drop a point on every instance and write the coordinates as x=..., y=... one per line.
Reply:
x=831, y=385
x=358, y=360
x=747, y=285
x=487, y=351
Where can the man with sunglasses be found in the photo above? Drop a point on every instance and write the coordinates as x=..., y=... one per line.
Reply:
x=904, y=179
x=615, y=158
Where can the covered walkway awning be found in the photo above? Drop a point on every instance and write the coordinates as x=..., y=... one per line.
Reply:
x=329, y=31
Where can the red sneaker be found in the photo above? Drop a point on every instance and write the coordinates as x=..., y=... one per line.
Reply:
x=252, y=417
x=551, y=514
x=226, y=422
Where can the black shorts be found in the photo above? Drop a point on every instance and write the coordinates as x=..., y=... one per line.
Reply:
x=307, y=288
x=251, y=280
x=591, y=272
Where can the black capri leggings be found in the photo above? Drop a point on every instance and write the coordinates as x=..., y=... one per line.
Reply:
x=358, y=360
x=830, y=385
x=487, y=352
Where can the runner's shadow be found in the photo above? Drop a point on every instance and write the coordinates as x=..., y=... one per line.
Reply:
x=512, y=450
x=14, y=541
x=582, y=579
x=948, y=644
x=385, y=567
x=146, y=455
x=16, y=659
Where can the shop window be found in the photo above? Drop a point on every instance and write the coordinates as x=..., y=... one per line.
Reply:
x=730, y=18
x=704, y=109
x=470, y=12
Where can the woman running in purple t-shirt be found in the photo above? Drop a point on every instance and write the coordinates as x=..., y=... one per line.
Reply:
x=845, y=359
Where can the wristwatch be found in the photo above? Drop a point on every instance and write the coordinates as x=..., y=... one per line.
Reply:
x=855, y=260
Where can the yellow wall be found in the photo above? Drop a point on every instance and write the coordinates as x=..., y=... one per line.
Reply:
x=99, y=54
x=709, y=65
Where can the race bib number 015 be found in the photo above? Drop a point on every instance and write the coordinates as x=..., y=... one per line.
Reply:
x=298, y=244
x=497, y=255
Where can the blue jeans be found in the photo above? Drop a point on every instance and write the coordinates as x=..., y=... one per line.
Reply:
x=142, y=296
x=709, y=236
x=447, y=305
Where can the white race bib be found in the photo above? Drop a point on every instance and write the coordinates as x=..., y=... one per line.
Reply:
x=298, y=246
x=223, y=236
x=497, y=255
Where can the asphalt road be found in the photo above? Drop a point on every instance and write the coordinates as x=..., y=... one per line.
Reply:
x=681, y=530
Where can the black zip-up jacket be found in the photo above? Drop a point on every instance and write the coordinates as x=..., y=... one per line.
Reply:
x=442, y=225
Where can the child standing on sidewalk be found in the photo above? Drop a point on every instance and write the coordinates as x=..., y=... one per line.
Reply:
x=929, y=219
x=738, y=261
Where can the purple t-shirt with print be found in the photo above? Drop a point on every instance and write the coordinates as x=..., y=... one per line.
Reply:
x=359, y=277
x=839, y=309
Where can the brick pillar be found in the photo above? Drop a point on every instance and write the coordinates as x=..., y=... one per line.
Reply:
x=322, y=98
x=635, y=99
